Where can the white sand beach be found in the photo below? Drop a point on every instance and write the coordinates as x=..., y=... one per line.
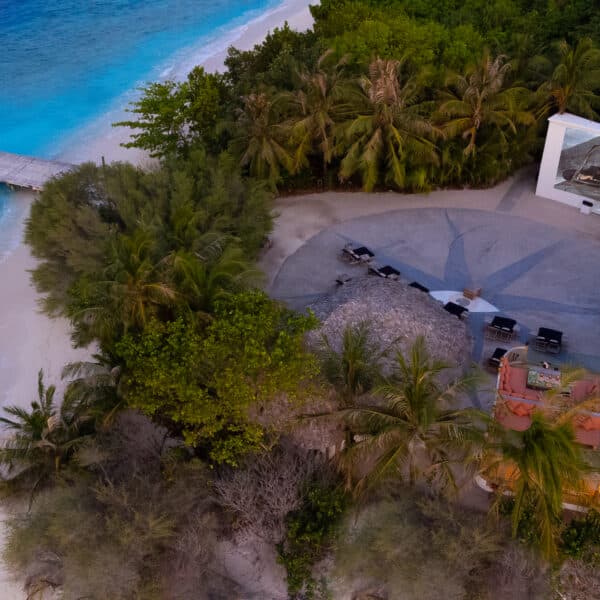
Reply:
x=100, y=139
x=29, y=340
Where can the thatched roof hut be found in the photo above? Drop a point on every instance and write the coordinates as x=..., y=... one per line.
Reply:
x=394, y=309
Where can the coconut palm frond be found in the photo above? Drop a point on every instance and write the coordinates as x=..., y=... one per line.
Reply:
x=538, y=465
x=414, y=430
x=355, y=368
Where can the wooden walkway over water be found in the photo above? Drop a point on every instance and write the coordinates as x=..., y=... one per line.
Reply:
x=27, y=171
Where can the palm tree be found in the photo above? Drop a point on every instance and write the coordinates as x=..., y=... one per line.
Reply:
x=481, y=98
x=134, y=288
x=94, y=388
x=41, y=440
x=537, y=465
x=137, y=281
x=417, y=433
x=318, y=105
x=573, y=82
x=258, y=139
x=388, y=130
x=356, y=368
x=220, y=269
x=526, y=59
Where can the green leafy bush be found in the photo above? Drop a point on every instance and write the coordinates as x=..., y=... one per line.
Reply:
x=201, y=383
x=581, y=537
x=309, y=533
x=174, y=116
x=119, y=246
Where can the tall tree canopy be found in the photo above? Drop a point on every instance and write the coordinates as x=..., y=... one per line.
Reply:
x=202, y=384
x=120, y=246
x=488, y=71
x=575, y=80
x=174, y=116
x=389, y=133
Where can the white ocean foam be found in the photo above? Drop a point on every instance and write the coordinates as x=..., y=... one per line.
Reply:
x=167, y=72
x=210, y=45
x=76, y=146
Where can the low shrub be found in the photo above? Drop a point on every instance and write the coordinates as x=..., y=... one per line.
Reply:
x=581, y=538
x=309, y=533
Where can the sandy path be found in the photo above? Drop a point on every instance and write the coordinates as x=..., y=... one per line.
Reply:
x=29, y=340
x=298, y=218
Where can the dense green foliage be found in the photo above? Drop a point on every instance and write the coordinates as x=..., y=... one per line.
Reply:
x=309, y=531
x=156, y=268
x=202, y=385
x=119, y=246
x=418, y=433
x=402, y=94
x=151, y=265
x=174, y=116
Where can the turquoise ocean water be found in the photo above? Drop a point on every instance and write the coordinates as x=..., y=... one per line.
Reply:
x=65, y=63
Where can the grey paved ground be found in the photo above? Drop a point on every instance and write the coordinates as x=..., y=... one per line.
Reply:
x=533, y=272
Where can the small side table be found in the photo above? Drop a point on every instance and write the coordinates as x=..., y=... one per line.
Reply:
x=472, y=293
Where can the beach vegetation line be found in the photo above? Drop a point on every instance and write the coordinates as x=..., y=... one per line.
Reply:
x=209, y=426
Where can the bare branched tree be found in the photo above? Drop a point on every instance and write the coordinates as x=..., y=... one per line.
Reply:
x=267, y=488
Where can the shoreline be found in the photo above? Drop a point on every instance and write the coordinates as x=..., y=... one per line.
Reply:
x=99, y=139
x=29, y=340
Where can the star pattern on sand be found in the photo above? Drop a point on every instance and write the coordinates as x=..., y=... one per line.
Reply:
x=457, y=276
x=507, y=275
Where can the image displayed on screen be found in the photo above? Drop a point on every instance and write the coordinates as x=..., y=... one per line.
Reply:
x=579, y=164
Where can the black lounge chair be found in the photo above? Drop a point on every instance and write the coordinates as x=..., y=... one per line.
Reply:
x=455, y=309
x=501, y=328
x=356, y=255
x=494, y=359
x=387, y=272
x=418, y=286
x=548, y=340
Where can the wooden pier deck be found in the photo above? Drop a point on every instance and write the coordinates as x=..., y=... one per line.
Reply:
x=27, y=171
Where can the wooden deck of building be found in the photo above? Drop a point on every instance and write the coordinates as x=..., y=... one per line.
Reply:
x=27, y=171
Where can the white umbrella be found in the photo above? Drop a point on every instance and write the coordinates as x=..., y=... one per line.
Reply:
x=475, y=305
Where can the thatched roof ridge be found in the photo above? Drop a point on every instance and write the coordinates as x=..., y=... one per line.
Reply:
x=393, y=309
